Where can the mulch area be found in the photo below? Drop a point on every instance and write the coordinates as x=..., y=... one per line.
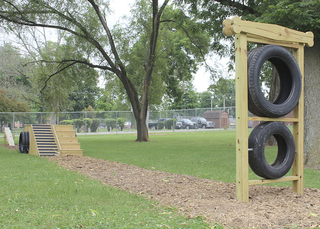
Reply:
x=268, y=207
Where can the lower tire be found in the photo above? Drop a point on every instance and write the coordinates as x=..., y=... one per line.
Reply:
x=187, y=127
x=286, y=150
x=203, y=126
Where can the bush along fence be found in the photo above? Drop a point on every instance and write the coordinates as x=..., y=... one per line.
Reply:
x=114, y=121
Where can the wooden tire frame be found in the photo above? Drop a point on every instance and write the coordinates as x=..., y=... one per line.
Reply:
x=253, y=32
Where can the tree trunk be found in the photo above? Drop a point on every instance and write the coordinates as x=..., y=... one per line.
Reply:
x=142, y=130
x=273, y=93
x=311, y=106
x=274, y=85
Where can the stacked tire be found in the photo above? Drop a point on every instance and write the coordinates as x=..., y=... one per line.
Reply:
x=286, y=100
x=24, y=142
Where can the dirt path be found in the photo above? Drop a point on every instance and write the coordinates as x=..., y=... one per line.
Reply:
x=269, y=207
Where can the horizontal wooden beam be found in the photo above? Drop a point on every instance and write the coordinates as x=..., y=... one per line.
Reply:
x=268, y=31
x=268, y=181
x=264, y=119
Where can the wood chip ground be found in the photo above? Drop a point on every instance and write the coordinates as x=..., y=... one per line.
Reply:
x=268, y=207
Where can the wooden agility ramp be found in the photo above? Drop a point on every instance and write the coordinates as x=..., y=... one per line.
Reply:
x=50, y=140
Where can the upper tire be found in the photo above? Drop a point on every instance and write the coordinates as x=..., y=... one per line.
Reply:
x=286, y=150
x=290, y=81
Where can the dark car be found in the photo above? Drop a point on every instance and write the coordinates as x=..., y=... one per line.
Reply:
x=153, y=125
x=203, y=123
x=186, y=124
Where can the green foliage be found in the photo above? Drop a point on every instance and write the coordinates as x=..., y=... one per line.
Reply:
x=9, y=105
x=95, y=125
x=66, y=122
x=170, y=123
x=189, y=100
x=121, y=122
x=111, y=122
x=299, y=15
x=160, y=125
x=224, y=89
x=87, y=122
x=78, y=123
x=14, y=74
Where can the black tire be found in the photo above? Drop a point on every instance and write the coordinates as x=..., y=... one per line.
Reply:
x=24, y=142
x=290, y=81
x=251, y=106
x=187, y=127
x=21, y=140
x=285, y=155
x=203, y=126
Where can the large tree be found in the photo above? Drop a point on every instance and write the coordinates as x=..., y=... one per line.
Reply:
x=85, y=23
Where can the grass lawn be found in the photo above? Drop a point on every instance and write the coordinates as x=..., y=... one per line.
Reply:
x=36, y=193
x=204, y=154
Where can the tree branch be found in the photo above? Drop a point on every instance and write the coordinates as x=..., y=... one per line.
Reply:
x=57, y=72
x=237, y=5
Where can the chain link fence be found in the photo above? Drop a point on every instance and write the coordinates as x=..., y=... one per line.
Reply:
x=117, y=121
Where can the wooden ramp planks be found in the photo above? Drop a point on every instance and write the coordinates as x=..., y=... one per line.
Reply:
x=50, y=140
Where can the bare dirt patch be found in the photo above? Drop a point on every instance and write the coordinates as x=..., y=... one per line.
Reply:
x=268, y=207
x=16, y=147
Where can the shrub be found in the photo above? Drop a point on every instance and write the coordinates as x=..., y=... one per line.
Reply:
x=78, y=123
x=66, y=122
x=95, y=124
x=121, y=122
x=111, y=122
x=87, y=123
x=160, y=125
x=170, y=123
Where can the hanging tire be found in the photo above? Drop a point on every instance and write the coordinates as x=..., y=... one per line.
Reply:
x=286, y=150
x=290, y=81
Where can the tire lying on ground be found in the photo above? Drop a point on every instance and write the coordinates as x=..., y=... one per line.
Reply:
x=286, y=150
x=24, y=142
x=290, y=81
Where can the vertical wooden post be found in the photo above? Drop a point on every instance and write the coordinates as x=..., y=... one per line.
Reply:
x=298, y=128
x=241, y=117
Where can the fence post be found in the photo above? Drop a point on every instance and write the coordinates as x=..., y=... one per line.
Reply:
x=85, y=123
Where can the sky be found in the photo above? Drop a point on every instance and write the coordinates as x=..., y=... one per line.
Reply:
x=201, y=79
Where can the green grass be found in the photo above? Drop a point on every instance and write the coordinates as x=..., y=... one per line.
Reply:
x=36, y=193
x=204, y=154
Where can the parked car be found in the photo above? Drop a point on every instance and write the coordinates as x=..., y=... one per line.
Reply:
x=163, y=120
x=153, y=125
x=186, y=124
x=203, y=123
